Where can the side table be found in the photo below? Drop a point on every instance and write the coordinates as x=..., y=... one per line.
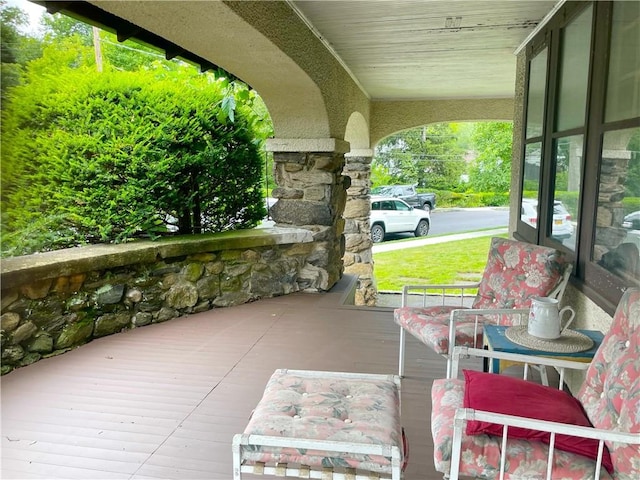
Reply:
x=495, y=339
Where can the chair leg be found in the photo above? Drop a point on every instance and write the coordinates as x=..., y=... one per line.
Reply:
x=237, y=464
x=543, y=375
x=401, y=357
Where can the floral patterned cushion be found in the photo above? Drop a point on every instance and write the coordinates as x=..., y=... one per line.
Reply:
x=487, y=392
x=610, y=394
x=360, y=411
x=515, y=273
x=431, y=326
x=518, y=271
x=481, y=453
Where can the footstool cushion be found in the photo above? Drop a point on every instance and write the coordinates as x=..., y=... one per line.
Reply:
x=350, y=411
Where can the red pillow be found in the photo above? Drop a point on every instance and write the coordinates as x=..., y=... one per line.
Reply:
x=513, y=396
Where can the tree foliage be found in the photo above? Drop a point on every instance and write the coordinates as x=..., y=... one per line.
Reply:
x=434, y=157
x=491, y=169
x=12, y=18
x=632, y=184
x=127, y=55
x=59, y=26
x=16, y=49
x=104, y=157
x=428, y=156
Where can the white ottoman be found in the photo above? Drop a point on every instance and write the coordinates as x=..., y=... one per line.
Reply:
x=326, y=425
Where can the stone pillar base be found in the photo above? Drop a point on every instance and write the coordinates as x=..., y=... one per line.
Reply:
x=311, y=194
x=358, y=258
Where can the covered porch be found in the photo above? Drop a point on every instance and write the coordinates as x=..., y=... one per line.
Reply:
x=164, y=401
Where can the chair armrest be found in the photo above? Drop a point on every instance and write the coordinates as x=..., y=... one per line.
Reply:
x=480, y=315
x=470, y=312
x=442, y=288
x=464, y=414
x=527, y=360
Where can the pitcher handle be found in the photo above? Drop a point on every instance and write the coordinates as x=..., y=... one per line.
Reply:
x=571, y=318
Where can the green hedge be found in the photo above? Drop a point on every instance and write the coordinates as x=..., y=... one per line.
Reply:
x=448, y=199
x=98, y=158
x=630, y=204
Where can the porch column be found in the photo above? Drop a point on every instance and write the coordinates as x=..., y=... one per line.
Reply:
x=613, y=174
x=358, y=258
x=311, y=194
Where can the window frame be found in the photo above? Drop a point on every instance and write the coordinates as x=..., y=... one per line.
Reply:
x=524, y=230
x=602, y=286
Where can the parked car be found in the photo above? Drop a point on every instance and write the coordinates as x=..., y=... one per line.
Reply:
x=392, y=215
x=562, y=227
x=408, y=193
x=632, y=221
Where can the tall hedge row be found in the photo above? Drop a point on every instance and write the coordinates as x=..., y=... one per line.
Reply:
x=90, y=157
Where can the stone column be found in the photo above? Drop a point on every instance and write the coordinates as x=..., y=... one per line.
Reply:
x=613, y=174
x=358, y=258
x=614, y=167
x=311, y=194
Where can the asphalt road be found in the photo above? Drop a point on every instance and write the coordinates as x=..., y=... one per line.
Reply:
x=456, y=220
x=446, y=221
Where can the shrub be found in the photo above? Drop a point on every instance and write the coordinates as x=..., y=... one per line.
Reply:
x=106, y=157
x=630, y=204
x=445, y=198
x=570, y=200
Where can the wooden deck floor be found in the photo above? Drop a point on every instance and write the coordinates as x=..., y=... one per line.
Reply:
x=163, y=401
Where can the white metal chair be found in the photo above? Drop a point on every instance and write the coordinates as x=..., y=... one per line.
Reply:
x=609, y=399
x=515, y=273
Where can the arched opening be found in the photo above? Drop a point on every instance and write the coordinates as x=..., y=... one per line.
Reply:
x=466, y=167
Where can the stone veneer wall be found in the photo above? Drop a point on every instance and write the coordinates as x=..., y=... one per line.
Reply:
x=327, y=192
x=358, y=257
x=609, y=231
x=312, y=194
x=56, y=301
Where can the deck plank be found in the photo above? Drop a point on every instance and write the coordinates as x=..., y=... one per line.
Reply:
x=163, y=401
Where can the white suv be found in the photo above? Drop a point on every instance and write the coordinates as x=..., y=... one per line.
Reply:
x=392, y=215
x=562, y=227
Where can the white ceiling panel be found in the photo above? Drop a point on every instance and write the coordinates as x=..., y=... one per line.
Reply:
x=405, y=50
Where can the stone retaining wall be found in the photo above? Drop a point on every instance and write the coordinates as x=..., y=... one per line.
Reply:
x=55, y=301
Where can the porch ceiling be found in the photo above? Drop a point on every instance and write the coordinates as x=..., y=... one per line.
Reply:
x=423, y=50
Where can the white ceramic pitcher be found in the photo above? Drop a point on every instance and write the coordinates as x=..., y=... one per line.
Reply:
x=545, y=318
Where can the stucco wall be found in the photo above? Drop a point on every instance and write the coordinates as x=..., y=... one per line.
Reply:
x=390, y=117
x=342, y=96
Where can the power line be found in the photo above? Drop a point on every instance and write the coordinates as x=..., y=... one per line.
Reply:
x=126, y=47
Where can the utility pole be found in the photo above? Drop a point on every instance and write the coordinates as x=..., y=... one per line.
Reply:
x=97, y=49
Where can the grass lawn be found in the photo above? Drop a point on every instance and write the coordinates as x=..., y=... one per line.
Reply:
x=460, y=261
